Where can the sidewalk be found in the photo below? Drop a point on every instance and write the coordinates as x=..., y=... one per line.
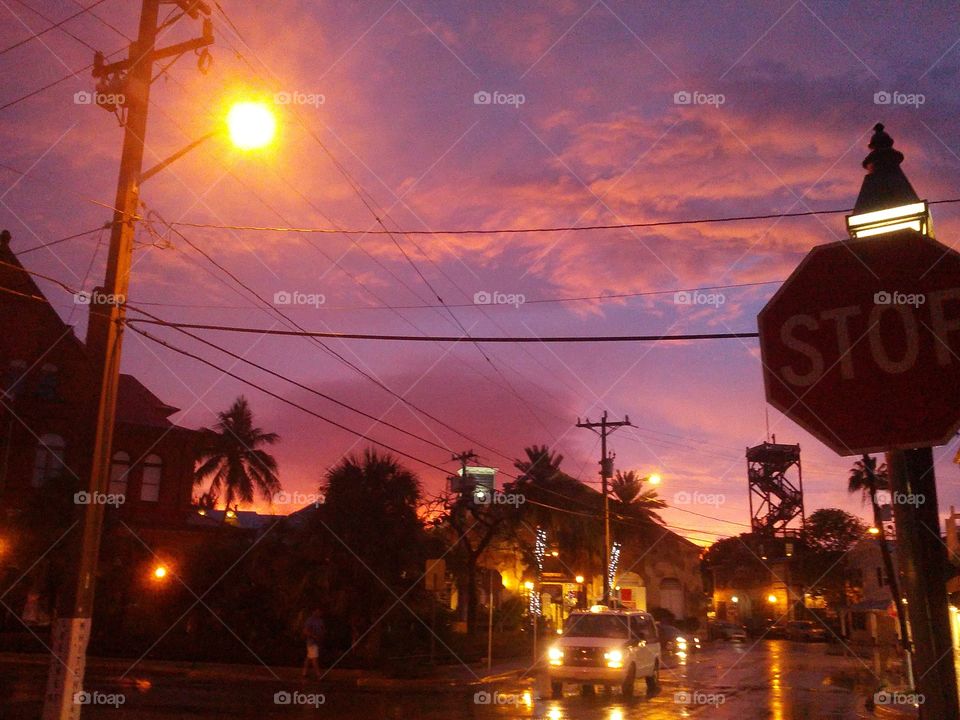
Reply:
x=453, y=677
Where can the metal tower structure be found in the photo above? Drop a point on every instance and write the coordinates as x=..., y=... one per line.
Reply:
x=775, y=480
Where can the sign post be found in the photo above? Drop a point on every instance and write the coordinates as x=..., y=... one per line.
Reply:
x=861, y=348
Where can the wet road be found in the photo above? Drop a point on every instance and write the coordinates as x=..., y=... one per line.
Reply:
x=774, y=680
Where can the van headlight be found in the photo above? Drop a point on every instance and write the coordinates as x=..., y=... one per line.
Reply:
x=555, y=655
x=614, y=658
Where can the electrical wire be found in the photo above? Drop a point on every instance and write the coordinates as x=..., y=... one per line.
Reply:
x=616, y=518
x=334, y=353
x=453, y=338
x=546, y=229
x=377, y=216
x=72, y=74
x=51, y=20
x=272, y=394
x=309, y=389
x=36, y=35
x=50, y=244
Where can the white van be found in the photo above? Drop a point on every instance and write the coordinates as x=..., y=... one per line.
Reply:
x=606, y=647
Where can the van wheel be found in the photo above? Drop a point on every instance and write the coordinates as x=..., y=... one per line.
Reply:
x=653, y=680
x=627, y=687
x=556, y=690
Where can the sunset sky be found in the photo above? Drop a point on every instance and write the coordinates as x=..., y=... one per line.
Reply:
x=593, y=130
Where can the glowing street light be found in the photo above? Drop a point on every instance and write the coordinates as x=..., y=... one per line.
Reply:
x=252, y=125
x=579, y=579
x=772, y=599
x=734, y=599
x=160, y=573
x=874, y=531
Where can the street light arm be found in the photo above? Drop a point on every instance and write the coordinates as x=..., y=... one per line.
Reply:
x=147, y=174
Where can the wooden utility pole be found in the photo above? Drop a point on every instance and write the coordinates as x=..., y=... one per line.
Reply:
x=603, y=428
x=130, y=79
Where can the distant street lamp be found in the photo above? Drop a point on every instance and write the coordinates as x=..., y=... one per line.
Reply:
x=160, y=573
x=874, y=531
x=734, y=599
x=579, y=579
x=772, y=599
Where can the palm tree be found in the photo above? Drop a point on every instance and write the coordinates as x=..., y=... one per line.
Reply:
x=867, y=479
x=567, y=509
x=637, y=502
x=231, y=454
x=541, y=465
x=376, y=540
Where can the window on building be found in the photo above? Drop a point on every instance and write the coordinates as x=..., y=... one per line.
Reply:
x=49, y=460
x=119, y=470
x=48, y=384
x=150, y=480
x=13, y=378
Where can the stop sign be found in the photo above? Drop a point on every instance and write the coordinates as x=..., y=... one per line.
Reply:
x=861, y=344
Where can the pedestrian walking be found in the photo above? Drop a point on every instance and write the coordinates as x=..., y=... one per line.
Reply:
x=314, y=630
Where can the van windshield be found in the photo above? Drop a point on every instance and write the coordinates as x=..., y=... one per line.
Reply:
x=604, y=626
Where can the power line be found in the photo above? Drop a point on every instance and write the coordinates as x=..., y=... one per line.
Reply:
x=42, y=246
x=546, y=229
x=358, y=190
x=272, y=394
x=453, y=338
x=51, y=20
x=315, y=414
x=311, y=390
x=363, y=196
x=39, y=90
x=331, y=351
x=36, y=35
x=72, y=74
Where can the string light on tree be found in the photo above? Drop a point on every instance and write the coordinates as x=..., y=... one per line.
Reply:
x=614, y=562
x=539, y=551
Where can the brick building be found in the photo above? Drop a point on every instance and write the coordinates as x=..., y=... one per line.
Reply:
x=46, y=382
